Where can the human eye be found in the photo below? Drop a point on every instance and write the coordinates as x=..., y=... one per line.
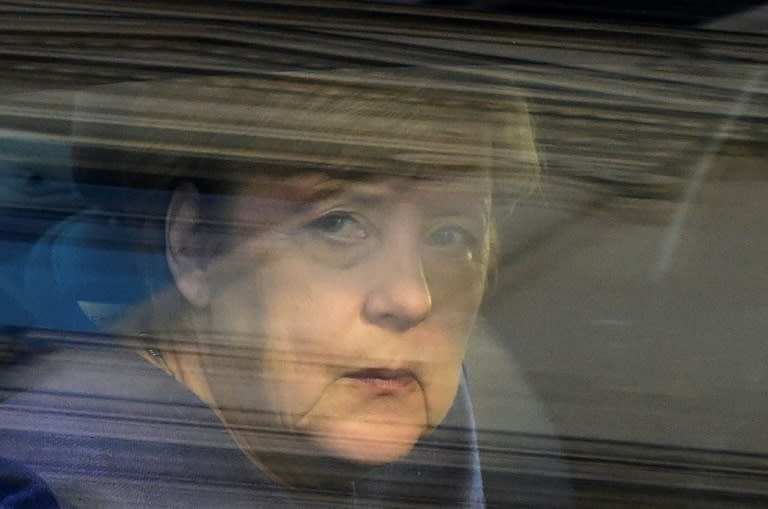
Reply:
x=338, y=238
x=454, y=240
x=339, y=226
x=450, y=235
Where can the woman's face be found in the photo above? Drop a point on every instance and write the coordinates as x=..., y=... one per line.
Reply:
x=342, y=311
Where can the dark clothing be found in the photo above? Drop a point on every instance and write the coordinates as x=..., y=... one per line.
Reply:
x=20, y=488
x=106, y=429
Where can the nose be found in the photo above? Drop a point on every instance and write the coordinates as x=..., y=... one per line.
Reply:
x=399, y=296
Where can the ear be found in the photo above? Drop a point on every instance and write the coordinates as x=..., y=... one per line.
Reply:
x=185, y=245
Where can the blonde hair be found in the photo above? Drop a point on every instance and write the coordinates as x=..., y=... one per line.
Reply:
x=151, y=134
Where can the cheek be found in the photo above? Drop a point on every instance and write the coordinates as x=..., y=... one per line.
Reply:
x=440, y=389
x=284, y=335
x=443, y=353
x=307, y=328
x=457, y=293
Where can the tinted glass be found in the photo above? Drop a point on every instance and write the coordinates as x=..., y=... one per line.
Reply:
x=368, y=253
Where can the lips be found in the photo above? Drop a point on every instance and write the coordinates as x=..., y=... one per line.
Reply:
x=383, y=380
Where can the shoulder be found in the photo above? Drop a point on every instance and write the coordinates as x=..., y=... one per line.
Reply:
x=107, y=429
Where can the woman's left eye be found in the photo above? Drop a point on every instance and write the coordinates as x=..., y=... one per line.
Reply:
x=339, y=226
x=451, y=235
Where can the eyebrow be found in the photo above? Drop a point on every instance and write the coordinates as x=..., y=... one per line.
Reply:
x=372, y=191
x=365, y=193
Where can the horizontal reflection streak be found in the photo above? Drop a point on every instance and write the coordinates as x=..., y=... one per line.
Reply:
x=225, y=346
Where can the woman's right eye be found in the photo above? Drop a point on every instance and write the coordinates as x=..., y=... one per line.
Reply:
x=339, y=226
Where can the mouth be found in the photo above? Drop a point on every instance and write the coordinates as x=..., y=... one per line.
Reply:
x=383, y=380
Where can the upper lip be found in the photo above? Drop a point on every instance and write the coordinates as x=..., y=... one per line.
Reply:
x=381, y=373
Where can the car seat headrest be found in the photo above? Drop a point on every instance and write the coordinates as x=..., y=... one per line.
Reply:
x=88, y=271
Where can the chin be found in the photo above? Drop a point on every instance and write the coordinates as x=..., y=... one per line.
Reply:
x=371, y=444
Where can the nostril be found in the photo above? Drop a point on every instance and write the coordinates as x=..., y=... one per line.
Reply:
x=395, y=323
